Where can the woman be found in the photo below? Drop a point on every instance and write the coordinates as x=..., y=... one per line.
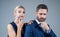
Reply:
x=15, y=27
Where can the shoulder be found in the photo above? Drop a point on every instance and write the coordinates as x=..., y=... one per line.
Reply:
x=9, y=27
x=30, y=26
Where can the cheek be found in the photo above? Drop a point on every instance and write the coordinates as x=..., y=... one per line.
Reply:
x=23, y=15
x=44, y=16
x=17, y=15
x=38, y=16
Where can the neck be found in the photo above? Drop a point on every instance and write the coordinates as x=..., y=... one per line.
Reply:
x=16, y=21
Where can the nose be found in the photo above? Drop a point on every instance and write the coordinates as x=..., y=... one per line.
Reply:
x=42, y=15
x=22, y=14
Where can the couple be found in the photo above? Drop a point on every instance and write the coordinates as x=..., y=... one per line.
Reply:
x=36, y=28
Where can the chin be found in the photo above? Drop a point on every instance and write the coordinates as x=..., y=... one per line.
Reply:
x=22, y=18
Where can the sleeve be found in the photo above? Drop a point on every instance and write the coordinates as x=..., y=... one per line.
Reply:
x=28, y=32
x=51, y=33
x=48, y=30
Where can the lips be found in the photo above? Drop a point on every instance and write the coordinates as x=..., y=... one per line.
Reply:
x=21, y=16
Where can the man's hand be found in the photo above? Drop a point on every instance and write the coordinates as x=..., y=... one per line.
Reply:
x=44, y=25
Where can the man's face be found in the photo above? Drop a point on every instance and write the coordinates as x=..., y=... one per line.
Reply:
x=41, y=15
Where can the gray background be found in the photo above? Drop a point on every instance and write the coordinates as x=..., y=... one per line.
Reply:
x=7, y=9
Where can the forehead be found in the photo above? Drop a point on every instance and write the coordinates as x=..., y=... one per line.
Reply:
x=42, y=11
x=20, y=9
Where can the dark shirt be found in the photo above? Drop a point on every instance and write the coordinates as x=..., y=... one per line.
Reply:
x=15, y=28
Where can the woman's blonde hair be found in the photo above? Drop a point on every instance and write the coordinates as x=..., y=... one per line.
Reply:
x=18, y=7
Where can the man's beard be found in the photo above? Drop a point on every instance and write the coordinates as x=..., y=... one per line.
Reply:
x=41, y=19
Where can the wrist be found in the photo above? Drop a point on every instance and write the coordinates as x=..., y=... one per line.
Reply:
x=48, y=31
x=19, y=28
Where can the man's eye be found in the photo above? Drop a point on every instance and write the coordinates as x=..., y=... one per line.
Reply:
x=44, y=14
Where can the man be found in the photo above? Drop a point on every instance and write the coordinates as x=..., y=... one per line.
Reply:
x=39, y=28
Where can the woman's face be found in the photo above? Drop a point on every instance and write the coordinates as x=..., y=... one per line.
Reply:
x=20, y=13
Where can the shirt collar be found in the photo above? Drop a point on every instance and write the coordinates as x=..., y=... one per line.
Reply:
x=37, y=21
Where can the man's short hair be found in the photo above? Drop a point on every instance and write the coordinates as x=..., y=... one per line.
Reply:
x=42, y=6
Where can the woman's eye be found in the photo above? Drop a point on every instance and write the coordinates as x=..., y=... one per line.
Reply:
x=40, y=13
x=19, y=12
x=23, y=12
